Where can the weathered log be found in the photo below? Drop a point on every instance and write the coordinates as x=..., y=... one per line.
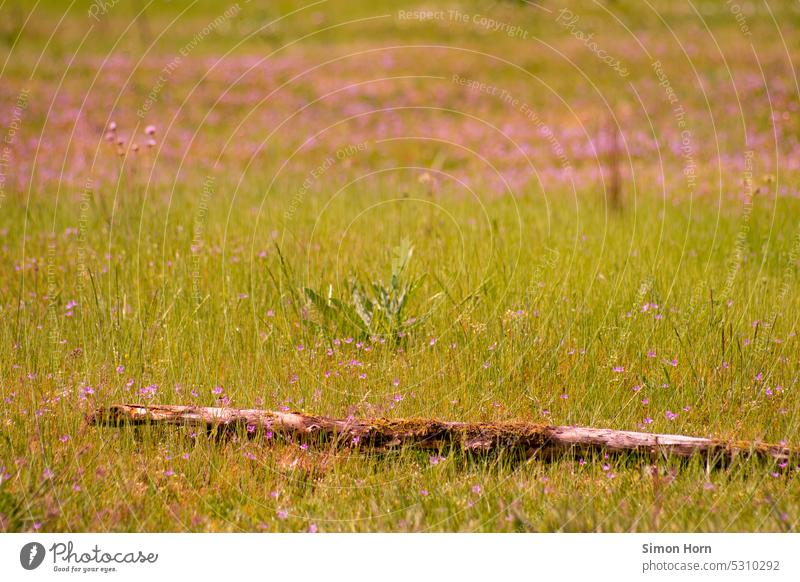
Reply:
x=384, y=434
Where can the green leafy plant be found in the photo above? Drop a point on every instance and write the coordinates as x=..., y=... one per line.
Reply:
x=375, y=309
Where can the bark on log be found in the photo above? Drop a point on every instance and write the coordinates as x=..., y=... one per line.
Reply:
x=386, y=434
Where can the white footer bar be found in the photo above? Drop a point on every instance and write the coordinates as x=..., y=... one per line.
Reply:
x=356, y=557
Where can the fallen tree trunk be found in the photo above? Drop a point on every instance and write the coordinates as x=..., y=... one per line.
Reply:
x=385, y=434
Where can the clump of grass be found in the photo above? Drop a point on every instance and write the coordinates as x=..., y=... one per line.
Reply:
x=375, y=309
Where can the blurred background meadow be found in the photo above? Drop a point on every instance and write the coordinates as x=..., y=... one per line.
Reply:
x=560, y=212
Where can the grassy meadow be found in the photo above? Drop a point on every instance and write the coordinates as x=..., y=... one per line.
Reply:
x=563, y=213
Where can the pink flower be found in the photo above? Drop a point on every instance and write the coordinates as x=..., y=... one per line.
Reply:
x=48, y=474
x=476, y=489
x=282, y=514
x=149, y=391
x=150, y=130
x=619, y=369
x=671, y=415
